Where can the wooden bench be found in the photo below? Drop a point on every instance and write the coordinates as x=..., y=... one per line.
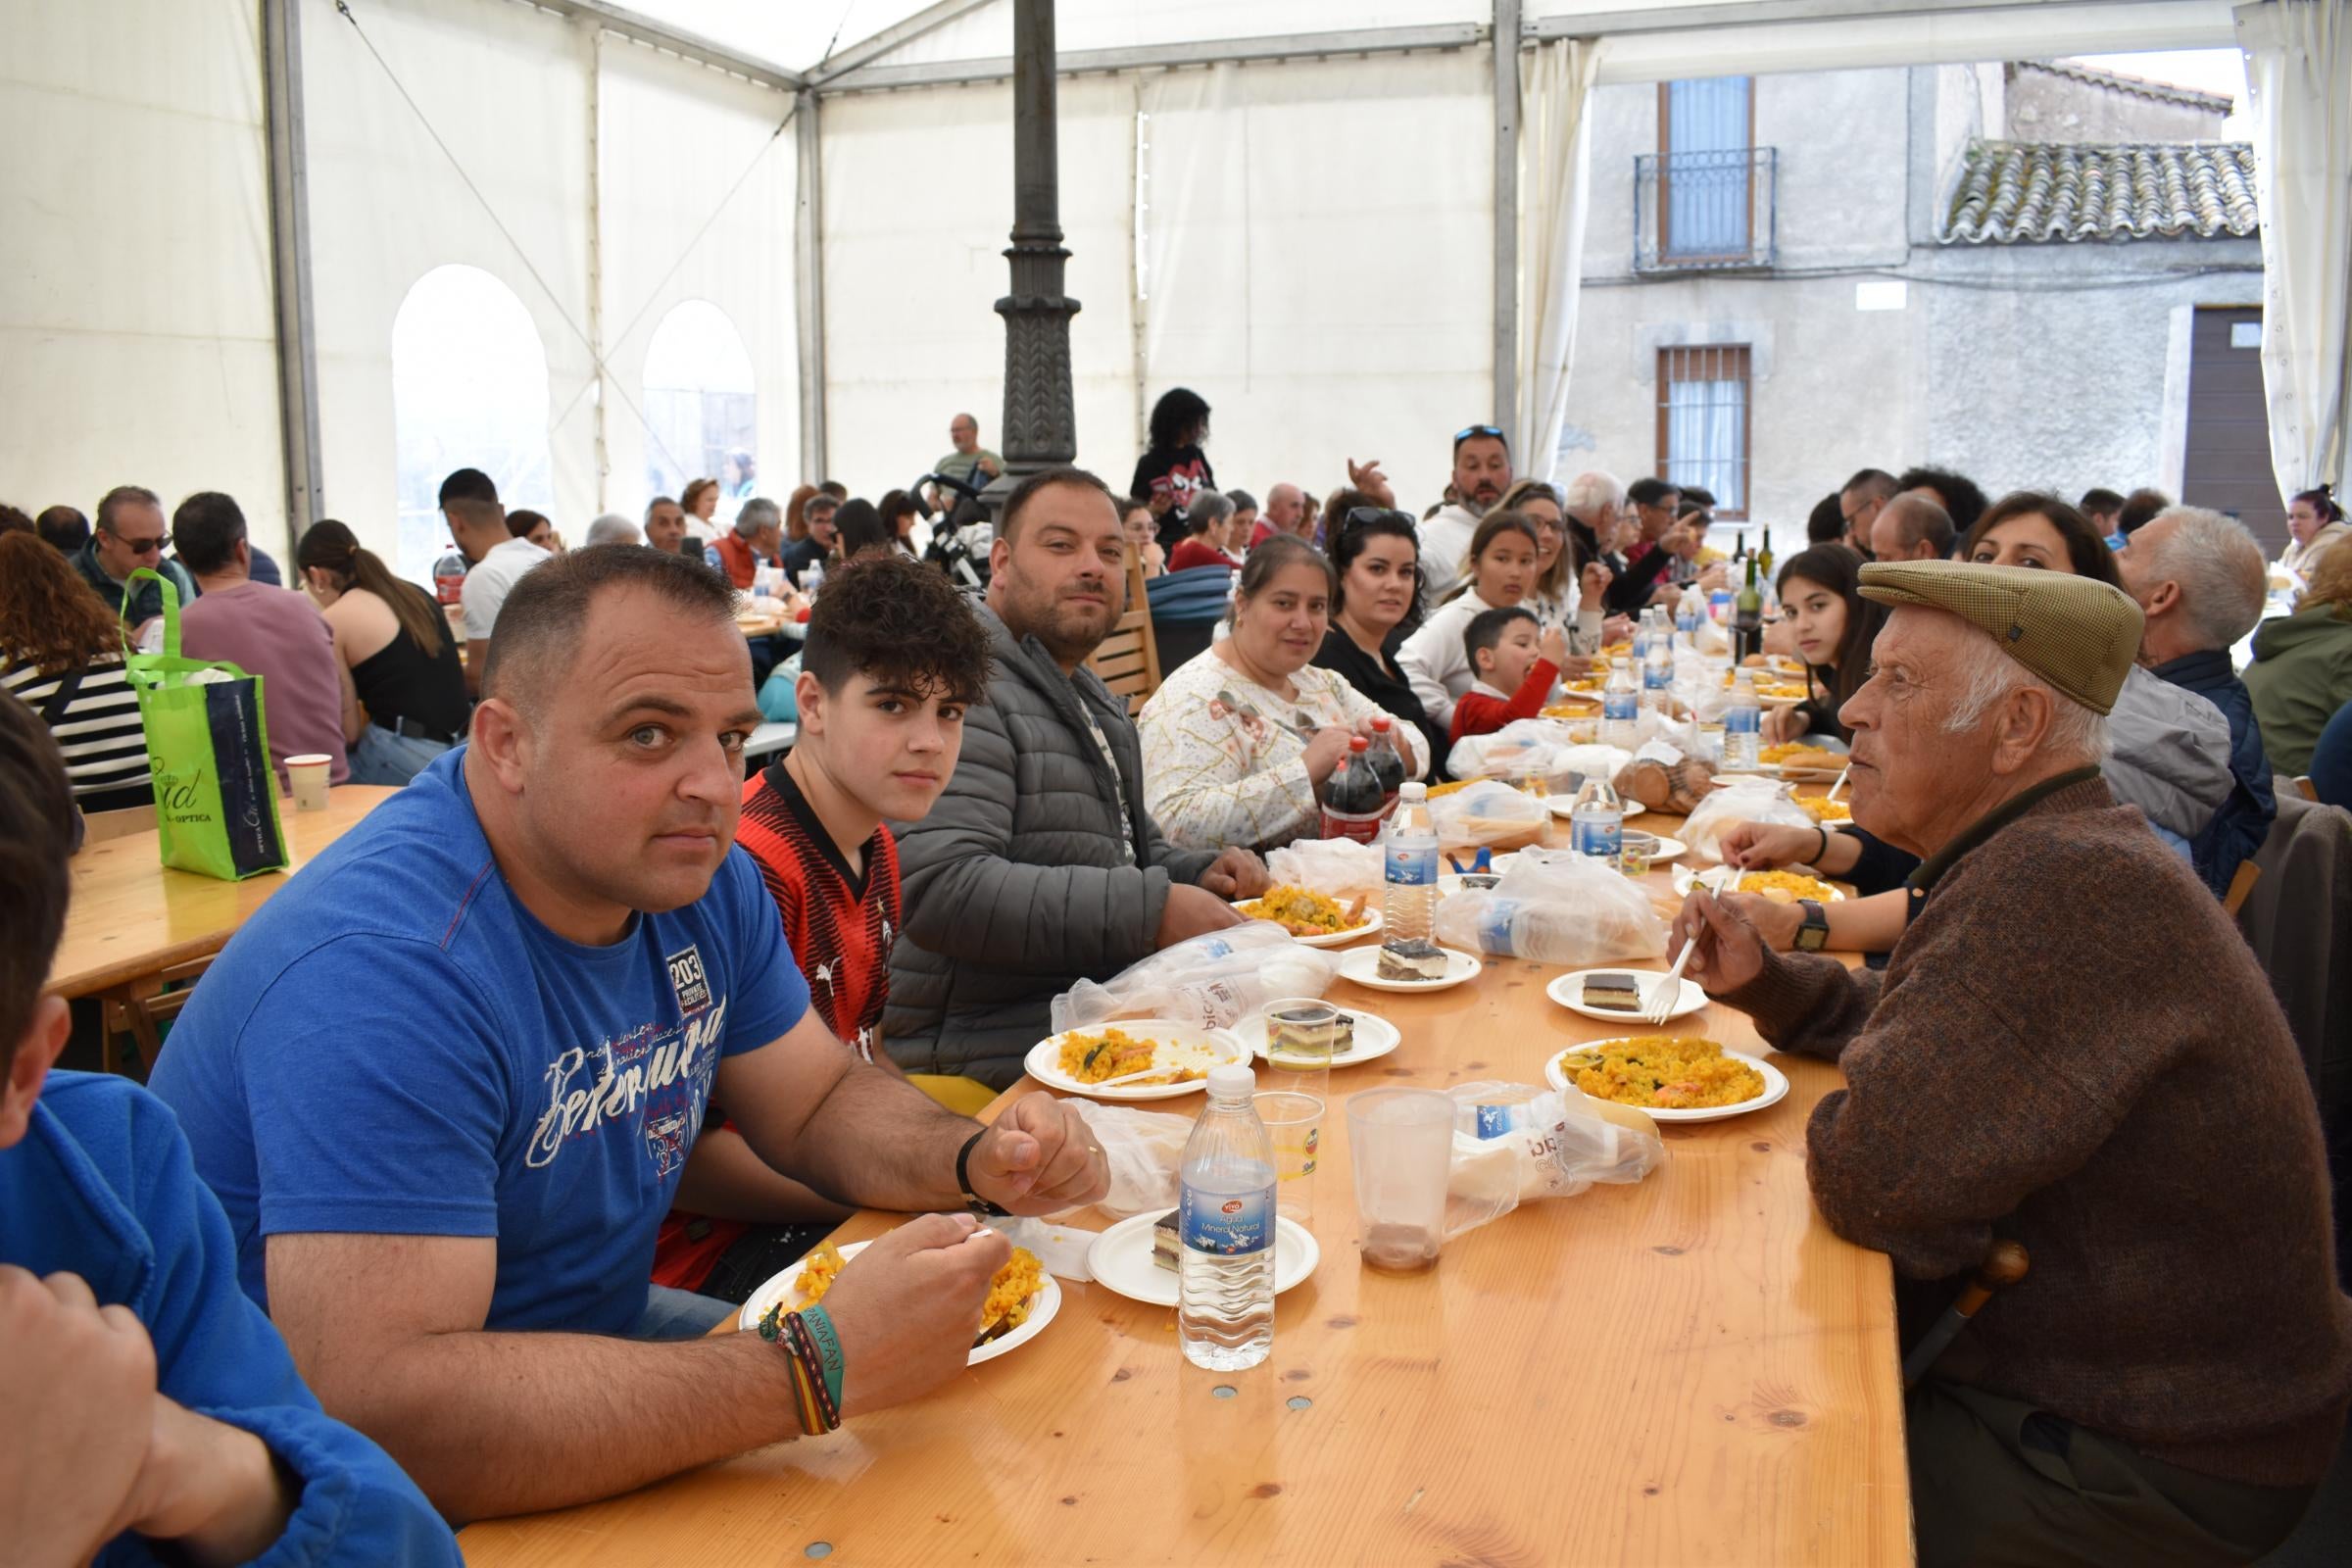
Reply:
x=1128, y=660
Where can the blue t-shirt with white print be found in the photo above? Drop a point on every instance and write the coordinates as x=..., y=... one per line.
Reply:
x=393, y=1045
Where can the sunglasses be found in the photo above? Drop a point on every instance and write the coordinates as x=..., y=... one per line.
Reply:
x=1470, y=430
x=144, y=547
x=1359, y=516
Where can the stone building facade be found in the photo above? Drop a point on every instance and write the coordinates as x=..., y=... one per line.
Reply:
x=1992, y=268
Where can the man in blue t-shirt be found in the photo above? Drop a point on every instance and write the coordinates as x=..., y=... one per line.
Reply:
x=148, y=1411
x=445, y=1081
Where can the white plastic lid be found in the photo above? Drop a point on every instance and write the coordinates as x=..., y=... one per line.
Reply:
x=1233, y=1081
x=1413, y=790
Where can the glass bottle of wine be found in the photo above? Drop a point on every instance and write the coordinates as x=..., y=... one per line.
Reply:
x=1748, y=617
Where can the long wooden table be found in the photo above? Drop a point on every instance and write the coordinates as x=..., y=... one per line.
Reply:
x=1690, y=1370
x=130, y=917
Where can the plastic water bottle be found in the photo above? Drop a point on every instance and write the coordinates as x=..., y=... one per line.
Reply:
x=1620, y=706
x=1408, y=856
x=1597, y=822
x=1742, y=726
x=813, y=579
x=1687, y=614
x=1225, y=1231
x=1657, y=669
x=1641, y=648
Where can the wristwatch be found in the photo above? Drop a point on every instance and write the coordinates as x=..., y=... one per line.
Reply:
x=1814, y=933
x=964, y=1181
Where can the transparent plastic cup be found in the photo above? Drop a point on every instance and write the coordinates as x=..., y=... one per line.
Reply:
x=1401, y=1145
x=1295, y=1127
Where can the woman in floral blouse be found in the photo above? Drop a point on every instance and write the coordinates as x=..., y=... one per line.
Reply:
x=1239, y=742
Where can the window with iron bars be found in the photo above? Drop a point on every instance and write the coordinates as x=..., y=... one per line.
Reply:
x=1703, y=422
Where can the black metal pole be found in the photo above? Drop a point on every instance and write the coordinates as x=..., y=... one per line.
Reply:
x=1040, y=424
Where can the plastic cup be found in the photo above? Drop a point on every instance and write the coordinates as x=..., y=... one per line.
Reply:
x=308, y=774
x=1634, y=851
x=1295, y=1126
x=1301, y=1037
x=1401, y=1146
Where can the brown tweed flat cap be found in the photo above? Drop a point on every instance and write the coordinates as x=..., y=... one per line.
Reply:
x=2075, y=633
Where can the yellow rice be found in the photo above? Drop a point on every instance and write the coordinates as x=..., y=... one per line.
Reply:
x=1662, y=1072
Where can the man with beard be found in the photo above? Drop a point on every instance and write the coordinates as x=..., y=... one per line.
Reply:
x=1039, y=865
x=1482, y=472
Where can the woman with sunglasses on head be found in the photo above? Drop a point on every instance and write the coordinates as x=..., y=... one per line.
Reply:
x=1377, y=604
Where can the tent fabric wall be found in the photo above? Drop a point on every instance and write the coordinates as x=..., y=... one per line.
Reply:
x=137, y=323
x=509, y=89
x=2299, y=73
x=1318, y=251
x=506, y=88
x=682, y=147
x=1555, y=192
x=918, y=206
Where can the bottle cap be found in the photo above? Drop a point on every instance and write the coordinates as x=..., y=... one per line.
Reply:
x=1381, y=722
x=1413, y=790
x=1356, y=743
x=1233, y=1081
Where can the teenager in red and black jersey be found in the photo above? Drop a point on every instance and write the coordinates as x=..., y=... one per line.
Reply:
x=894, y=656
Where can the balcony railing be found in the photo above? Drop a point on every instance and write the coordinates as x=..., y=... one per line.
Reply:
x=1699, y=211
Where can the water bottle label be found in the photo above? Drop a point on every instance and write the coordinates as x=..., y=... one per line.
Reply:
x=1228, y=1224
x=1658, y=677
x=1743, y=720
x=1410, y=866
x=1495, y=928
x=1598, y=837
x=1495, y=1122
x=1620, y=705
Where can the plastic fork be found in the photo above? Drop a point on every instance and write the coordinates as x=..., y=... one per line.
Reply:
x=1659, y=1005
x=1841, y=784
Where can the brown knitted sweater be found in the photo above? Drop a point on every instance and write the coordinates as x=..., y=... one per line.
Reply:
x=2073, y=1046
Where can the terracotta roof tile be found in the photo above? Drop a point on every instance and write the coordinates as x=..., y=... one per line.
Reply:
x=2010, y=192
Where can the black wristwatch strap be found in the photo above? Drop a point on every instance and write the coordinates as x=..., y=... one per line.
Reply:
x=1816, y=924
x=964, y=1181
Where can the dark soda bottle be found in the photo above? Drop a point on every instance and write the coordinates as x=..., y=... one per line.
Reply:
x=1352, y=803
x=1387, y=763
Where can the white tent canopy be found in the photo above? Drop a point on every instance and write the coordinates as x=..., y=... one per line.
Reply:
x=1287, y=205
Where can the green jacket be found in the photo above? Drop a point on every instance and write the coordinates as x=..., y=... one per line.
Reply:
x=2301, y=675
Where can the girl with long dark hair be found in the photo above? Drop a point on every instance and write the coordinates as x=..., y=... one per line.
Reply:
x=1821, y=595
x=401, y=656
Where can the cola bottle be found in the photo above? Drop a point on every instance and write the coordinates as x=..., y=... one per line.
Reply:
x=1352, y=800
x=1387, y=763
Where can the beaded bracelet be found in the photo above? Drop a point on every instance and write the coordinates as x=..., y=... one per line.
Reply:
x=815, y=1387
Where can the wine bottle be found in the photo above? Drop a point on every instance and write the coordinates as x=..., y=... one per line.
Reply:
x=1748, y=617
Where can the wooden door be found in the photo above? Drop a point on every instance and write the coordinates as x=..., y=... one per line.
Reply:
x=2228, y=460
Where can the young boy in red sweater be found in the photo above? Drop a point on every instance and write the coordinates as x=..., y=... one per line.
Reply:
x=894, y=656
x=1516, y=663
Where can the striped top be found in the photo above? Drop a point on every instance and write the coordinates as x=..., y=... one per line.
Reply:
x=99, y=730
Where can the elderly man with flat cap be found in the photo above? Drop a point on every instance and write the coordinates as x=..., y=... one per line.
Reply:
x=2072, y=1049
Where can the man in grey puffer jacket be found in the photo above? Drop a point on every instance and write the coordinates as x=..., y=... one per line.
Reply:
x=1039, y=865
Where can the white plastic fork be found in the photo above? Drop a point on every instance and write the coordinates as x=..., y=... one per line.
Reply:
x=1841, y=784
x=1659, y=1005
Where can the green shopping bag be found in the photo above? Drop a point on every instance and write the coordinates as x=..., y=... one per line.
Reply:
x=215, y=794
